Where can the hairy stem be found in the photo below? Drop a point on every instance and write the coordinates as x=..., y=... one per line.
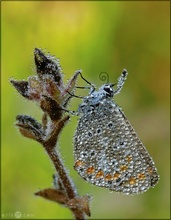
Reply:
x=66, y=182
x=49, y=146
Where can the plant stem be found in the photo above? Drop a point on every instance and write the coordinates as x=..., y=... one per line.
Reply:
x=66, y=182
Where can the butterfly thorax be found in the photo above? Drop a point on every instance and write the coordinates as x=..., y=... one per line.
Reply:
x=96, y=98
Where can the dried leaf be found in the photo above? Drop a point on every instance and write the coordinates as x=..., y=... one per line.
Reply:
x=53, y=195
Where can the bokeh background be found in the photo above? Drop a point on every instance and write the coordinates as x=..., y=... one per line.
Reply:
x=97, y=37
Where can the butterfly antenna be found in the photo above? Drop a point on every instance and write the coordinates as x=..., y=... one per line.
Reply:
x=121, y=81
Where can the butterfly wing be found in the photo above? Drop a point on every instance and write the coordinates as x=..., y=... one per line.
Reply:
x=108, y=152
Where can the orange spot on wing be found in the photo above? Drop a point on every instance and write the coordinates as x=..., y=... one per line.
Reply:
x=90, y=170
x=116, y=175
x=141, y=176
x=79, y=163
x=108, y=177
x=132, y=180
x=123, y=167
x=99, y=174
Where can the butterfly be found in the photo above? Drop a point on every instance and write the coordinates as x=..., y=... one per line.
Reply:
x=107, y=150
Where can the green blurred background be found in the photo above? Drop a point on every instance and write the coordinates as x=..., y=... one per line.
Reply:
x=97, y=37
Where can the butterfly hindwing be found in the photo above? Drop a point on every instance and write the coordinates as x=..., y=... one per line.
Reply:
x=108, y=152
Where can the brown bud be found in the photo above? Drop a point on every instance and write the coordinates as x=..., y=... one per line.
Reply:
x=47, y=64
x=21, y=87
x=29, y=127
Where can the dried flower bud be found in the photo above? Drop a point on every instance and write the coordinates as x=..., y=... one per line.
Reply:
x=21, y=87
x=47, y=83
x=47, y=64
x=29, y=127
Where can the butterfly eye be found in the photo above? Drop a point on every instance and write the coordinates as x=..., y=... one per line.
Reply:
x=108, y=90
